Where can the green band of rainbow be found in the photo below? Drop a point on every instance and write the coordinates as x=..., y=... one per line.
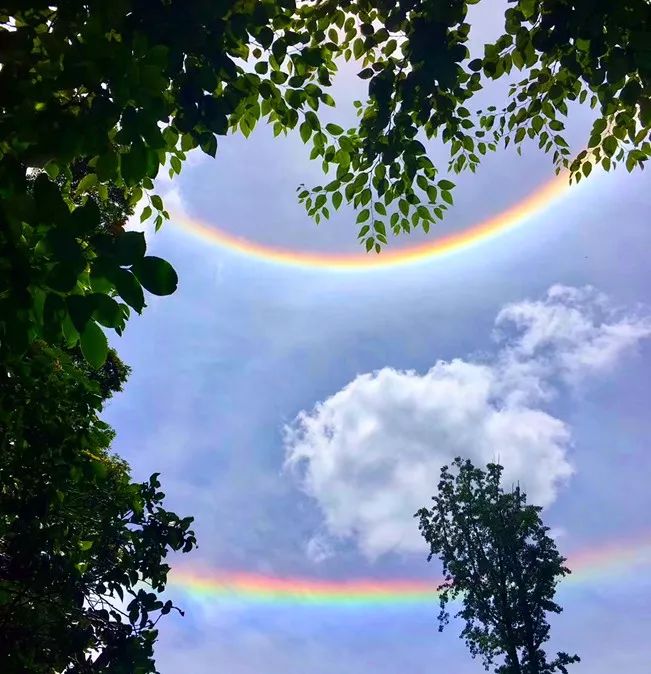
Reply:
x=587, y=566
x=488, y=229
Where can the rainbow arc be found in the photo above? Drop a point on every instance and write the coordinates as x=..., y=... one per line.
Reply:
x=591, y=565
x=487, y=229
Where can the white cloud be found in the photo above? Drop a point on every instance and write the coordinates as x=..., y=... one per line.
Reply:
x=572, y=333
x=319, y=548
x=370, y=454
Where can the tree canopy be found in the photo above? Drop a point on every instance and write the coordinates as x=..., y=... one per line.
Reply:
x=124, y=88
x=82, y=546
x=500, y=562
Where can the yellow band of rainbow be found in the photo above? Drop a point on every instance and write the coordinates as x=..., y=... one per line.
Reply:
x=591, y=565
x=498, y=224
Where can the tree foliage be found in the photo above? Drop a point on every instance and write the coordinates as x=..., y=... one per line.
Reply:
x=499, y=560
x=123, y=88
x=422, y=81
x=82, y=546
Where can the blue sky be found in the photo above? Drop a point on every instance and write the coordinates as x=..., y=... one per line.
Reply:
x=302, y=415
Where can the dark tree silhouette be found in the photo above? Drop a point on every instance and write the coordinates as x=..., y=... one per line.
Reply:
x=500, y=562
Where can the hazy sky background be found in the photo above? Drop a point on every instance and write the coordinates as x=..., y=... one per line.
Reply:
x=302, y=415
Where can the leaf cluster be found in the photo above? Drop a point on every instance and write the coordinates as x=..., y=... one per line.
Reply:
x=422, y=82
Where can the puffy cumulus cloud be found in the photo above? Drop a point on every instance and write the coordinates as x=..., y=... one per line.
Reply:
x=370, y=454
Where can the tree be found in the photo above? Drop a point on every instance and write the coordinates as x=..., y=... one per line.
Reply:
x=82, y=546
x=500, y=562
x=125, y=88
x=121, y=89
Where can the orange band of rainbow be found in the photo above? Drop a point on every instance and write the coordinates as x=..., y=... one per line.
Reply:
x=591, y=565
x=498, y=224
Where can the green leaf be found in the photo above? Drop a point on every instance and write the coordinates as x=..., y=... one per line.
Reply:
x=107, y=311
x=171, y=137
x=363, y=215
x=445, y=185
x=306, y=131
x=128, y=287
x=80, y=308
x=94, y=345
x=70, y=333
x=146, y=213
x=208, y=143
x=50, y=206
x=312, y=119
x=107, y=166
x=87, y=183
x=187, y=142
x=334, y=129
x=52, y=169
x=279, y=50
x=85, y=219
x=336, y=199
x=133, y=164
x=62, y=277
x=265, y=36
x=156, y=275
x=129, y=247
x=610, y=145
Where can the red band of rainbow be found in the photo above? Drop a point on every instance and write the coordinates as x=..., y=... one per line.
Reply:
x=487, y=229
x=590, y=565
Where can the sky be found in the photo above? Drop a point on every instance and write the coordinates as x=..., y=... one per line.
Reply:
x=302, y=413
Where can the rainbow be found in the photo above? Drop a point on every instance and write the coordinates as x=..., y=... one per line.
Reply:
x=483, y=231
x=590, y=565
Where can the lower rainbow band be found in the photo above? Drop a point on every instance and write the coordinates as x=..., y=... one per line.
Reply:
x=587, y=566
